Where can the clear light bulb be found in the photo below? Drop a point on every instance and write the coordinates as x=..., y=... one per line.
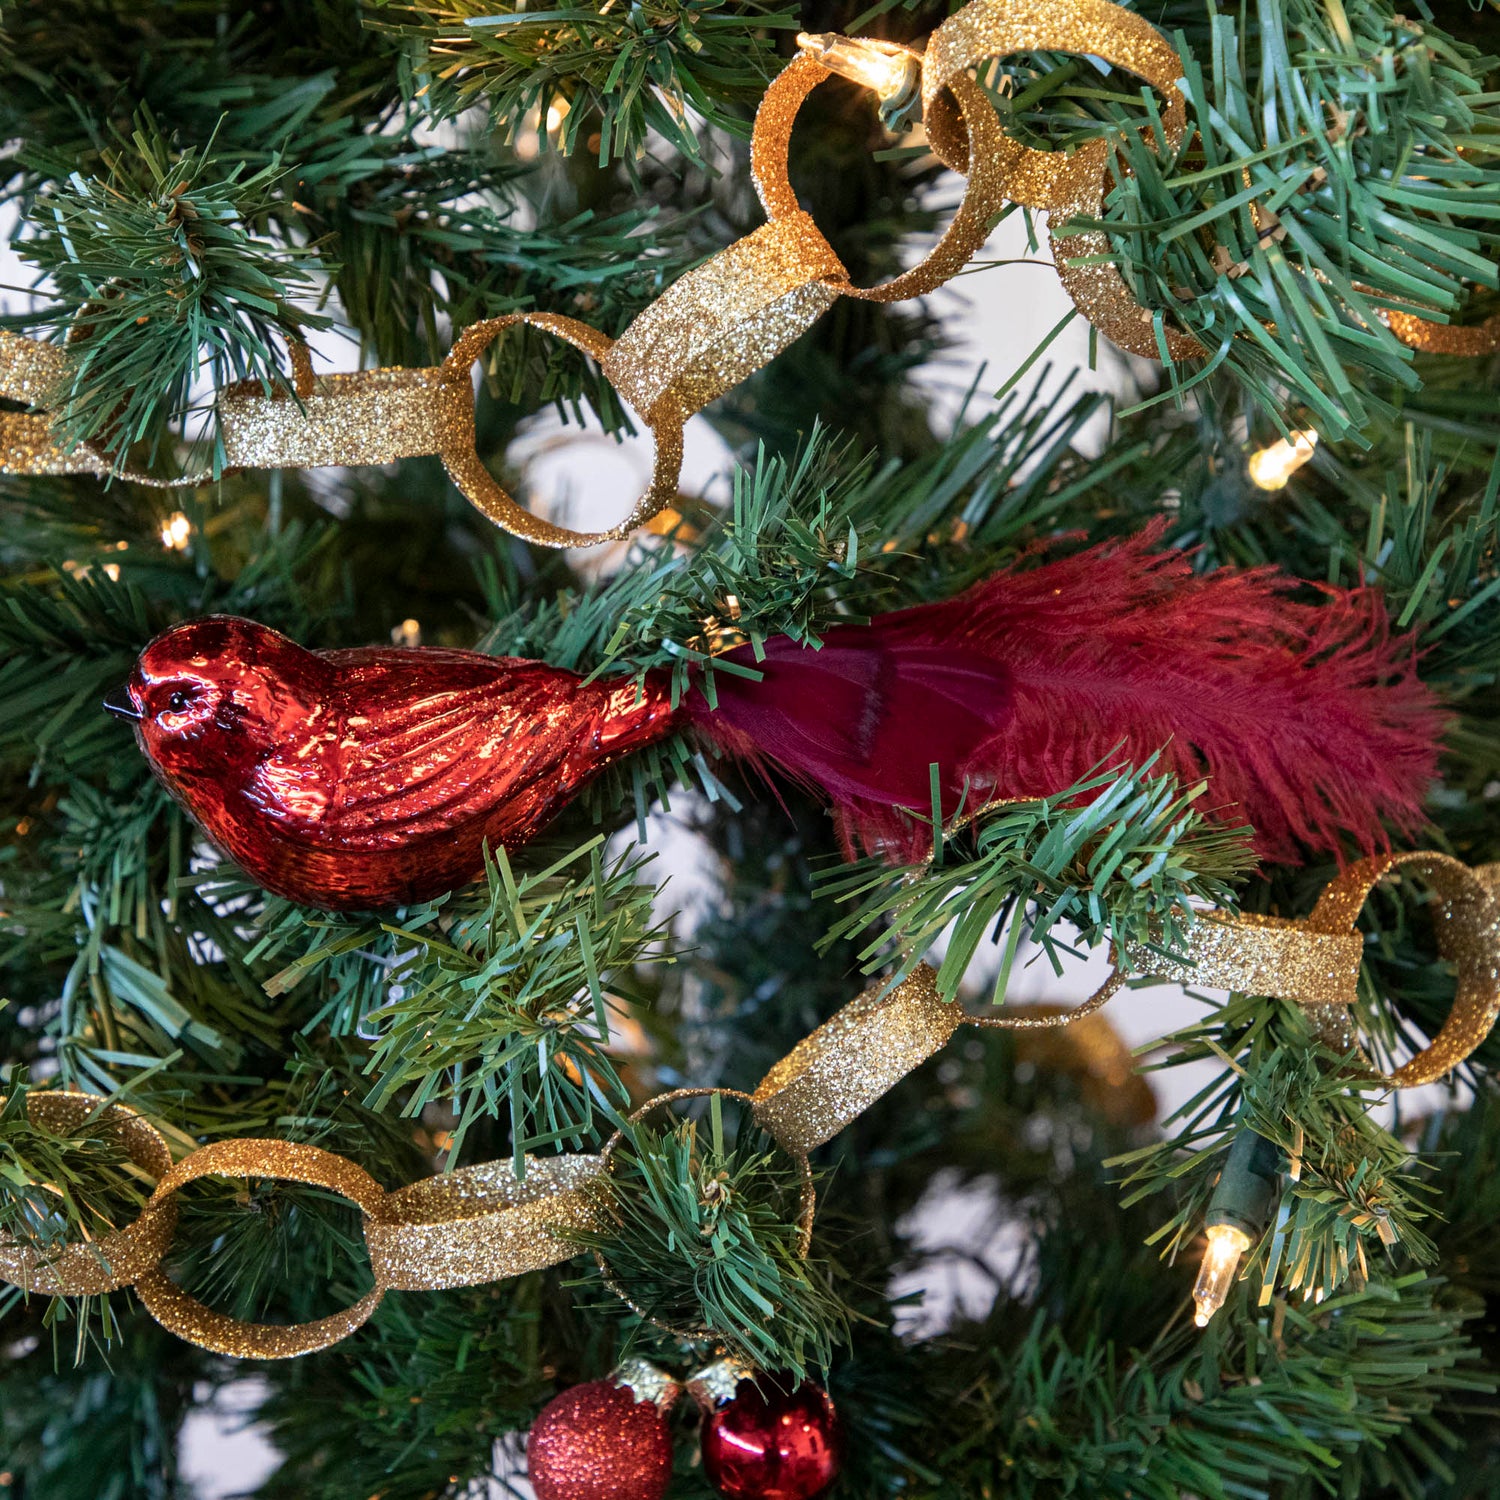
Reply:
x=176, y=532
x=890, y=75
x=1221, y=1260
x=1271, y=467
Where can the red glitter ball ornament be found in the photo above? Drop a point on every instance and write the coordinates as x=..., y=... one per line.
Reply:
x=769, y=1441
x=607, y=1440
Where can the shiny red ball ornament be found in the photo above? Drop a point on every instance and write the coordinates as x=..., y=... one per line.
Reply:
x=607, y=1440
x=770, y=1441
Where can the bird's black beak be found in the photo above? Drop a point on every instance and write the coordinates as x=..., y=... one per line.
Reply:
x=118, y=703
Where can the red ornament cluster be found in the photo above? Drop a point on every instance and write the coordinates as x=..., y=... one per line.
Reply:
x=762, y=1438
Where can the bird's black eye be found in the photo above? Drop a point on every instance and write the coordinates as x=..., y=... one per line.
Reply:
x=178, y=701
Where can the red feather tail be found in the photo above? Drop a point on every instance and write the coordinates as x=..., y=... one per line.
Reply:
x=1307, y=718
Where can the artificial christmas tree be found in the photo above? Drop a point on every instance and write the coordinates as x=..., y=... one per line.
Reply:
x=362, y=1049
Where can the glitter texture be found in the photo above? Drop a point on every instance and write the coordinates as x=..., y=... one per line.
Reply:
x=1261, y=956
x=34, y=373
x=1316, y=961
x=729, y=317
x=1068, y=185
x=983, y=197
x=112, y=1260
x=287, y=1161
x=724, y=320
x=369, y=418
x=189, y=1319
x=1466, y=927
x=477, y=483
x=1445, y=338
x=597, y=1442
x=853, y=1058
x=1038, y=1018
x=38, y=374
x=481, y=1223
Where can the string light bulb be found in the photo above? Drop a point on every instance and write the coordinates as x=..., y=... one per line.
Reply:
x=1221, y=1260
x=1271, y=467
x=891, y=72
x=1237, y=1213
x=176, y=532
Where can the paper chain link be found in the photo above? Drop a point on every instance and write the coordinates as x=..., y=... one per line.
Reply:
x=483, y=1223
x=733, y=314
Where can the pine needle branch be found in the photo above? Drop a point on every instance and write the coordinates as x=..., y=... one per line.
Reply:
x=1355, y=1184
x=58, y=1189
x=492, y=1002
x=702, y=1232
x=161, y=273
x=1248, y=1413
x=594, y=75
x=1122, y=856
x=1338, y=162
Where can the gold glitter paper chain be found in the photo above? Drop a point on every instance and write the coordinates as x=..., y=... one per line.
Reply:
x=733, y=314
x=483, y=1223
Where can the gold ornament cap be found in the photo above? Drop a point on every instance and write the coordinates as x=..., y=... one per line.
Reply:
x=648, y=1382
x=715, y=1385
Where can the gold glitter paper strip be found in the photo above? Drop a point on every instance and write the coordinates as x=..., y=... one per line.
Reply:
x=39, y=374
x=984, y=196
x=1045, y=1018
x=481, y=1223
x=1466, y=927
x=287, y=1161
x=1261, y=956
x=1096, y=28
x=370, y=417
x=373, y=417
x=724, y=320
x=837, y=1073
x=1072, y=185
x=113, y=1260
x=189, y=1319
x=1446, y=338
x=1316, y=961
x=35, y=373
x=479, y=486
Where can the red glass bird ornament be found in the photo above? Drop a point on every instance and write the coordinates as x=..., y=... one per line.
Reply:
x=371, y=777
x=375, y=777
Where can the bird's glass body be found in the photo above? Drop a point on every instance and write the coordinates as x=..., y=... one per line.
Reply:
x=372, y=777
